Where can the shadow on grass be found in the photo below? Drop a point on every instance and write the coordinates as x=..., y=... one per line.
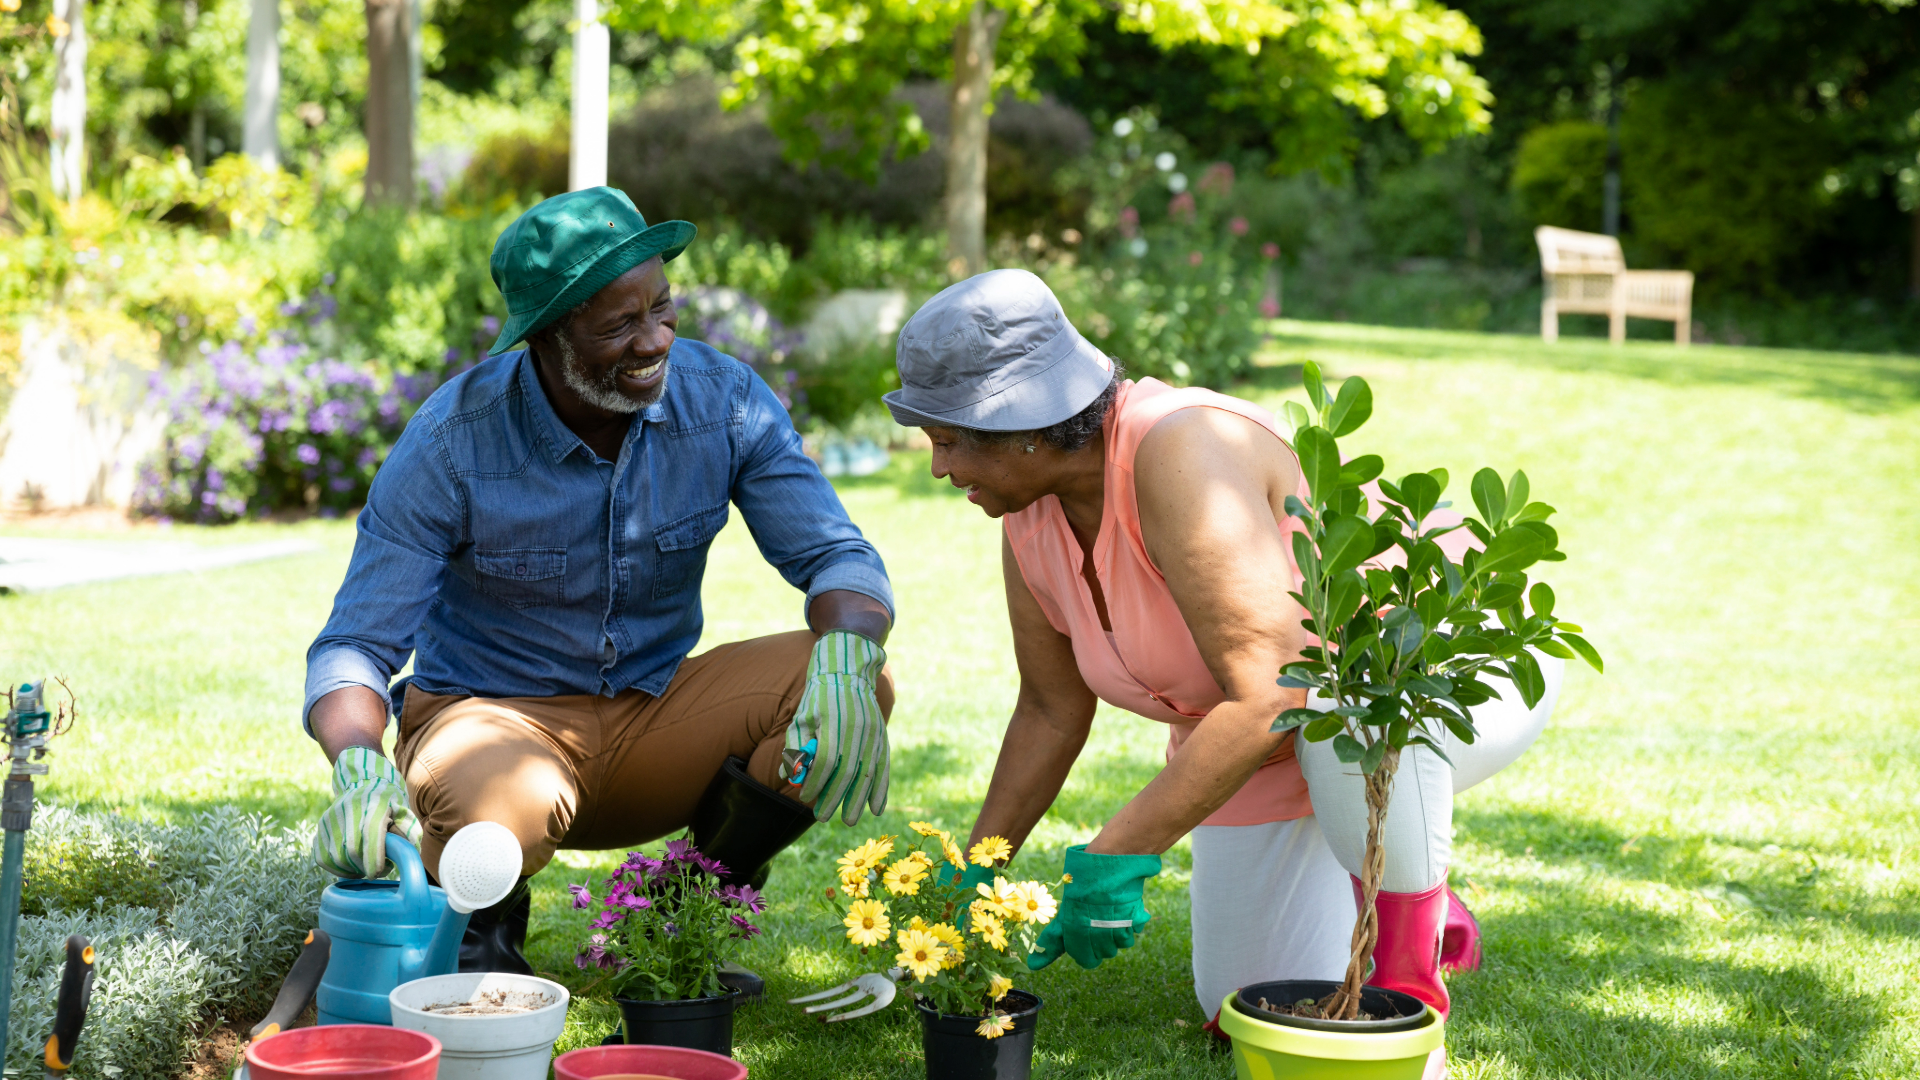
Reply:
x=1579, y=985
x=1867, y=383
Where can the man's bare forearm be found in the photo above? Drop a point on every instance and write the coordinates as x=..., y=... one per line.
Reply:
x=844, y=609
x=350, y=716
x=1035, y=758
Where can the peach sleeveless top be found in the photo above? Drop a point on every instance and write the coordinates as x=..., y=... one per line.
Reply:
x=1149, y=664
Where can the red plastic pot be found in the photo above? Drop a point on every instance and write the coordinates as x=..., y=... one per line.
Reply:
x=364, y=1051
x=676, y=1062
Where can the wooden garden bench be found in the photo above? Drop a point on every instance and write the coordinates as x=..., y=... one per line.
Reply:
x=1585, y=274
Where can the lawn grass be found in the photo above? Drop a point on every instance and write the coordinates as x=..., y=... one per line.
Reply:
x=1709, y=866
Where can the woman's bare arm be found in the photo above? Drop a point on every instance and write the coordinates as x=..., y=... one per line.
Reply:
x=1050, y=722
x=1208, y=483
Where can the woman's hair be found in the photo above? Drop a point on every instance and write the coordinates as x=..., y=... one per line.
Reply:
x=1070, y=435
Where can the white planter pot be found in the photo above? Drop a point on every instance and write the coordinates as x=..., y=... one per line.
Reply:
x=479, y=1046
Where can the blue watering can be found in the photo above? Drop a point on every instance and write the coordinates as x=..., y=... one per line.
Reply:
x=385, y=933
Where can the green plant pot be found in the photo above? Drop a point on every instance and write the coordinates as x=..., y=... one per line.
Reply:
x=1264, y=1050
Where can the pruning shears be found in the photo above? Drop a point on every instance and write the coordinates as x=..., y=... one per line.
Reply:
x=296, y=993
x=70, y=1008
x=801, y=760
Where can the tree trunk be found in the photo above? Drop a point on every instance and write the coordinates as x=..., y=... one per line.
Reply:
x=973, y=43
x=1344, y=1003
x=587, y=143
x=389, y=121
x=68, y=122
x=260, y=133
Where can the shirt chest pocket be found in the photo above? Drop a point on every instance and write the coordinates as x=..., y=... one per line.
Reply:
x=522, y=577
x=683, y=551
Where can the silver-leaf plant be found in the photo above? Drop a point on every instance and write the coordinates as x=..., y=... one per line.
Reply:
x=1403, y=653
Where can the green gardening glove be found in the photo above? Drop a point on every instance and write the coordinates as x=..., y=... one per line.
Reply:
x=840, y=714
x=370, y=797
x=1101, y=912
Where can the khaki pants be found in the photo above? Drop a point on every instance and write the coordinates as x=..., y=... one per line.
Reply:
x=589, y=772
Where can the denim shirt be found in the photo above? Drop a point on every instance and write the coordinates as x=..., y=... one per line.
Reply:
x=513, y=561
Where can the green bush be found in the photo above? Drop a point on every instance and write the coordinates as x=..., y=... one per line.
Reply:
x=1559, y=175
x=224, y=902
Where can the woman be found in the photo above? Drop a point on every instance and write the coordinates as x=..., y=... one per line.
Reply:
x=1147, y=564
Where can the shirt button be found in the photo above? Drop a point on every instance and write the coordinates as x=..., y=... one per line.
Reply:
x=521, y=569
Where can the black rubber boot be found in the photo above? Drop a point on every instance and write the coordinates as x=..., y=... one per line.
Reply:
x=744, y=824
x=496, y=937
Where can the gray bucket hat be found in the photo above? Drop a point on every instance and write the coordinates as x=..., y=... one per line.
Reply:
x=994, y=353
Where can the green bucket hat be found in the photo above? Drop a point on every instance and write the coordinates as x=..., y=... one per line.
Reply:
x=562, y=251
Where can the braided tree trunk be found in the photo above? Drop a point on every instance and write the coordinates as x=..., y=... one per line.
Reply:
x=1344, y=1003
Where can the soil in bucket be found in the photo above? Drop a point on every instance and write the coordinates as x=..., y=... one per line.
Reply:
x=955, y=1050
x=369, y=1051
x=695, y=1023
x=1295, y=1003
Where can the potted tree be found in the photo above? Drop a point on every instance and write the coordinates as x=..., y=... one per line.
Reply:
x=1401, y=654
x=662, y=932
x=954, y=949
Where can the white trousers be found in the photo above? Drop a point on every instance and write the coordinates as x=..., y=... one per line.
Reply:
x=1274, y=901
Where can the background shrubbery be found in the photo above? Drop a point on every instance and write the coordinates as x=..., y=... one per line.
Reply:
x=190, y=923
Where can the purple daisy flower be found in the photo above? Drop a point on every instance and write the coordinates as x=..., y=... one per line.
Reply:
x=581, y=897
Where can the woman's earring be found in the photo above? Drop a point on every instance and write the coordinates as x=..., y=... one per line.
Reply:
x=1029, y=448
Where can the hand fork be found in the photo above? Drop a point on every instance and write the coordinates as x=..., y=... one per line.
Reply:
x=881, y=986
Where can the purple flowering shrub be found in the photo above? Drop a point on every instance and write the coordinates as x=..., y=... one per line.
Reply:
x=666, y=925
x=250, y=431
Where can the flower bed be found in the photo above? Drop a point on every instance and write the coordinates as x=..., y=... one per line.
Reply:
x=192, y=924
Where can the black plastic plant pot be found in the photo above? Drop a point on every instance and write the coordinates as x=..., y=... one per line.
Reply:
x=956, y=1050
x=1397, y=1011
x=694, y=1024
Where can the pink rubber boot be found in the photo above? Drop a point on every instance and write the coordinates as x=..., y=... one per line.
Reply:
x=1407, y=955
x=1459, y=937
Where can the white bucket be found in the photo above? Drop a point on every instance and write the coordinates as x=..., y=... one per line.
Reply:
x=481, y=1045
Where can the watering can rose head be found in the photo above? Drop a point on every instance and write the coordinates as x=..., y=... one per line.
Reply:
x=951, y=926
x=665, y=925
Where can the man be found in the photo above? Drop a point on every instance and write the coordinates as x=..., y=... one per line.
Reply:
x=537, y=539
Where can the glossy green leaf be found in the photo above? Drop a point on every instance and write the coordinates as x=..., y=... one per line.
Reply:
x=1316, y=390
x=1527, y=678
x=1293, y=718
x=1319, y=462
x=1540, y=599
x=1348, y=749
x=1403, y=630
x=1432, y=607
x=1439, y=479
x=1490, y=496
x=1298, y=509
x=1348, y=543
x=1548, y=535
x=1297, y=416
x=1515, y=549
x=1361, y=469
x=1554, y=648
x=1422, y=494
x=1305, y=557
x=1517, y=490
x=1433, y=746
x=1371, y=759
x=1436, y=650
x=1587, y=652
x=1322, y=729
x=1534, y=511
x=1499, y=594
x=1344, y=595
x=1351, y=408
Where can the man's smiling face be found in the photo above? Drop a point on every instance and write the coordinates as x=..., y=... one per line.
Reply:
x=612, y=352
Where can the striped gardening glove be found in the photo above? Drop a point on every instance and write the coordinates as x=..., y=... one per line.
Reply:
x=369, y=798
x=836, y=747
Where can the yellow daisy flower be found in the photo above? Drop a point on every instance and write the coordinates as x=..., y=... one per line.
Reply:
x=856, y=887
x=999, y=896
x=865, y=857
x=954, y=855
x=991, y=851
x=997, y=987
x=920, y=953
x=903, y=878
x=990, y=929
x=1035, y=904
x=951, y=938
x=993, y=1027
x=926, y=828
x=867, y=923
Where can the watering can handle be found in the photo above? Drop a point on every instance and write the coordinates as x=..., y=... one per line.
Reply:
x=413, y=872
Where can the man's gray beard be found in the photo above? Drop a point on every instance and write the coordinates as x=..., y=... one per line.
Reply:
x=605, y=394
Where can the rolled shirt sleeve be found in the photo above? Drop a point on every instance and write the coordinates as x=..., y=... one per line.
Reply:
x=794, y=514
x=414, y=519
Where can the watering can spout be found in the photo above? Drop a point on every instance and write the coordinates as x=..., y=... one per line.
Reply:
x=442, y=956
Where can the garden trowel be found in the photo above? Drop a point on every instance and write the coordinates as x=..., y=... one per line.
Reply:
x=70, y=1008
x=296, y=993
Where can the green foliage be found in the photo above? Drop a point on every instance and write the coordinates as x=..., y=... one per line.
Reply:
x=413, y=288
x=186, y=921
x=830, y=72
x=1559, y=172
